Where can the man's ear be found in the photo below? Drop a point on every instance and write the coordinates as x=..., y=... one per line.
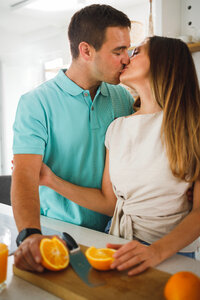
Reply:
x=85, y=50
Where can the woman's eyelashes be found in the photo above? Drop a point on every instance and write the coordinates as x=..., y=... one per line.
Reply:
x=135, y=52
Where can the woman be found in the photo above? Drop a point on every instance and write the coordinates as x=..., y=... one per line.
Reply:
x=153, y=156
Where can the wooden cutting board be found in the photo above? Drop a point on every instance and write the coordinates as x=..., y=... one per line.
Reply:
x=118, y=285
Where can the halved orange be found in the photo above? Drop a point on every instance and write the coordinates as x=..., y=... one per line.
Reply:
x=182, y=286
x=100, y=258
x=55, y=255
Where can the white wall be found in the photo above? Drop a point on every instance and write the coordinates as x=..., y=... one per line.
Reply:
x=22, y=60
x=176, y=18
x=138, y=13
x=190, y=23
x=171, y=18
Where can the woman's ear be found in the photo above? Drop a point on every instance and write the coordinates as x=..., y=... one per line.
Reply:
x=85, y=50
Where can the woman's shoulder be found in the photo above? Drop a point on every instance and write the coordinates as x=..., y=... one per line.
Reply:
x=118, y=122
x=114, y=129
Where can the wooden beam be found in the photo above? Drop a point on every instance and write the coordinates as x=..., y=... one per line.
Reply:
x=194, y=47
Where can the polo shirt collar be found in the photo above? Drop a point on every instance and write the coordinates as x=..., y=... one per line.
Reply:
x=72, y=88
x=67, y=84
x=103, y=89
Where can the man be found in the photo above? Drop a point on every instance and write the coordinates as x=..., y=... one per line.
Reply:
x=63, y=123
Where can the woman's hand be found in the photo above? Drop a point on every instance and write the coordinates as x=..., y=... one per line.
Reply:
x=134, y=256
x=46, y=175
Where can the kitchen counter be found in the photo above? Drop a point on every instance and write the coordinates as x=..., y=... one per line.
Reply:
x=18, y=289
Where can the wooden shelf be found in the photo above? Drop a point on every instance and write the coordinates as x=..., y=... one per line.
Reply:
x=194, y=47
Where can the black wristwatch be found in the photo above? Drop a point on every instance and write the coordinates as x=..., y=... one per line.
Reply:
x=25, y=233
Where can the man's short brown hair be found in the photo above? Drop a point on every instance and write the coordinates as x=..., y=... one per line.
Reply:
x=90, y=23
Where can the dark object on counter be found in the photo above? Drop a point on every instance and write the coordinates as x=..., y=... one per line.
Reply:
x=5, y=184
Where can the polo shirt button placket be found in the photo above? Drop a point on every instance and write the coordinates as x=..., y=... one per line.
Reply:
x=92, y=108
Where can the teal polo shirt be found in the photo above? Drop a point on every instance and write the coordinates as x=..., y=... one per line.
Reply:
x=59, y=121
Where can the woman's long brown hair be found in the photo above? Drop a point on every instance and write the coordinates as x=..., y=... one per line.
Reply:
x=175, y=87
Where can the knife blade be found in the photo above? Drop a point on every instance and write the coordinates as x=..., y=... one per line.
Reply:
x=80, y=263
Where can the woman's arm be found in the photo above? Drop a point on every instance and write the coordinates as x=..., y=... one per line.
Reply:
x=102, y=201
x=185, y=232
x=134, y=253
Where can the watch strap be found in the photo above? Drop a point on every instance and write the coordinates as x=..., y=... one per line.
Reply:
x=26, y=232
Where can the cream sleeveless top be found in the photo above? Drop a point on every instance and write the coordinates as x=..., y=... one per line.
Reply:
x=150, y=200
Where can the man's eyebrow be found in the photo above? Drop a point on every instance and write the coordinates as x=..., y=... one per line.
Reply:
x=120, y=48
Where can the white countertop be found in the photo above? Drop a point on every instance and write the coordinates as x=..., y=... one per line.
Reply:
x=18, y=289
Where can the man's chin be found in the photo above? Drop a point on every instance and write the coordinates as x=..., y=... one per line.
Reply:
x=114, y=81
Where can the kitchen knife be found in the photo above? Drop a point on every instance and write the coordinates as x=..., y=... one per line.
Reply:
x=80, y=263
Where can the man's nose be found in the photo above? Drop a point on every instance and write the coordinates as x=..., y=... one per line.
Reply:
x=125, y=59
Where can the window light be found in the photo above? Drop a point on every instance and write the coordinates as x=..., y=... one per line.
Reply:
x=54, y=5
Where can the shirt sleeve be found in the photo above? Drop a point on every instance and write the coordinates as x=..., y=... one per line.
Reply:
x=109, y=135
x=30, y=126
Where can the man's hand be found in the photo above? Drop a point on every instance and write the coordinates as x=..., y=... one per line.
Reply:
x=27, y=256
x=189, y=193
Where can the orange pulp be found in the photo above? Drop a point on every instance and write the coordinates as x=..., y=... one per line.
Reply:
x=100, y=259
x=55, y=255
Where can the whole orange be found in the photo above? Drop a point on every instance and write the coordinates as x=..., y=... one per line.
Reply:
x=182, y=286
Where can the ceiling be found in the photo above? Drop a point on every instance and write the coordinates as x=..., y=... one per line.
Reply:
x=23, y=21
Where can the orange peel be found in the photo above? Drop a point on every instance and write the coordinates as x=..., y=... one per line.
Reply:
x=182, y=286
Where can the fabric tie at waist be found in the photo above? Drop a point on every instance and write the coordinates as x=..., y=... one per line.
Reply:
x=121, y=223
x=134, y=227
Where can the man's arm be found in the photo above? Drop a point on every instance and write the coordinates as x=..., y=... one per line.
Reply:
x=26, y=208
x=24, y=190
